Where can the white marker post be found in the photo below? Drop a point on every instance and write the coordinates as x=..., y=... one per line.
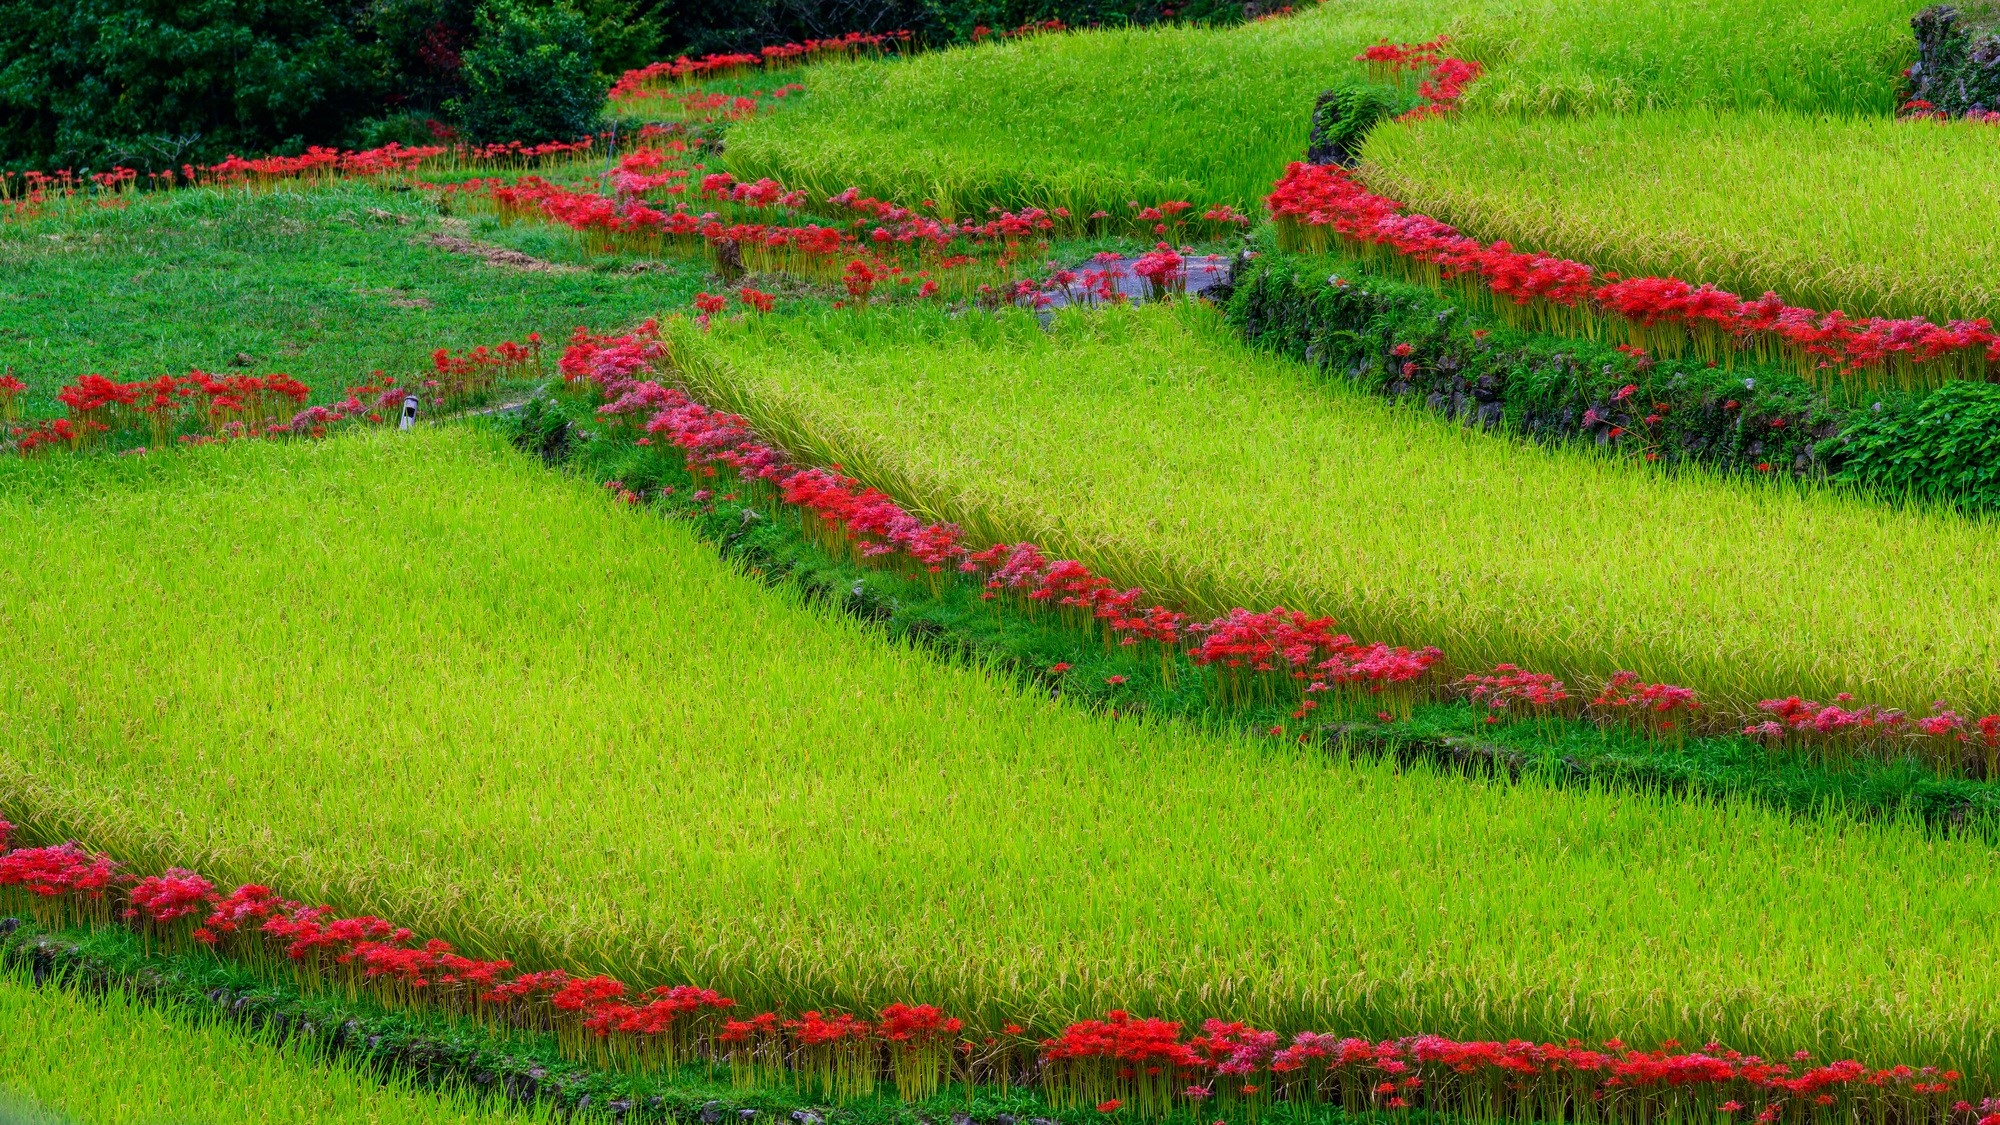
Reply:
x=409, y=412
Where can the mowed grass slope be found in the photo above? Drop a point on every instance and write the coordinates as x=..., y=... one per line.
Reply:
x=1869, y=215
x=1096, y=119
x=111, y=1060
x=1153, y=446
x=421, y=676
x=325, y=284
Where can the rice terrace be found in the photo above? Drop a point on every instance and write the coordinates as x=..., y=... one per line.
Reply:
x=1000, y=562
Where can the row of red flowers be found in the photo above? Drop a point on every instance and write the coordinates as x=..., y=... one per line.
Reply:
x=1277, y=656
x=200, y=407
x=1663, y=315
x=1148, y=1065
x=649, y=79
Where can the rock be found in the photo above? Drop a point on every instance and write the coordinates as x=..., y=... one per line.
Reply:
x=805, y=1117
x=711, y=1112
x=1958, y=58
x=746, y=1115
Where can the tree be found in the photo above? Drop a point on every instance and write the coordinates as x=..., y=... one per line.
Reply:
x=529, y=75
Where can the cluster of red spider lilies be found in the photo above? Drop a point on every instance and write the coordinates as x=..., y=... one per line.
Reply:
x=1146, y=1067
x=1316, y=205
x=661, y=77
x=200, y=408
x=1440, y=79
x=658, y=203
x=29, y=194
x=1279, y=656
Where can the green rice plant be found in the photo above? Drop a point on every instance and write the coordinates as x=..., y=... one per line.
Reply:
x=1560, y=57
x=117, y=1060
x=1093, y=120
x=421, y=676
x=1085, y=121
x=1159, y=452
x=1871, y=216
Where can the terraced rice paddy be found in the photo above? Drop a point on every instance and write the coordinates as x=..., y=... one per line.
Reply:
x=427, y=676
x=422, y=678
x=1161, y=453
x=1868, y=215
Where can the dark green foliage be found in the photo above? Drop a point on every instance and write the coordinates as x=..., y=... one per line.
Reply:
x=1958, y=56
x=1942, y=447
x=154, y=83
x=1343, y=115
x=529, y=76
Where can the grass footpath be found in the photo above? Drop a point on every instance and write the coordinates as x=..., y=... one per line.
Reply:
x=449, y=688
x=1872, y=216
x=326, y=284
x=1161, y=452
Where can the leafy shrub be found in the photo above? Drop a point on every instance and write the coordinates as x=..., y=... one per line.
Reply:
x=1343, y=116
x=529, y=76
x=1944, y=446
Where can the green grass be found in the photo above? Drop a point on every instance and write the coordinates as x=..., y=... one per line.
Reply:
x=326, y=284
x=114, y=1060
x=421, y=676
x=1092, y=120
x=1872, y=216
x=1084, y=121
x=1153, y=447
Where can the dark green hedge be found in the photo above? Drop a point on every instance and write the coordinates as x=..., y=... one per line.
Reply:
x=1943, y=446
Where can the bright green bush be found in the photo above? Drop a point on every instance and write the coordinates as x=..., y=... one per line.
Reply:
x=1943, y=447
